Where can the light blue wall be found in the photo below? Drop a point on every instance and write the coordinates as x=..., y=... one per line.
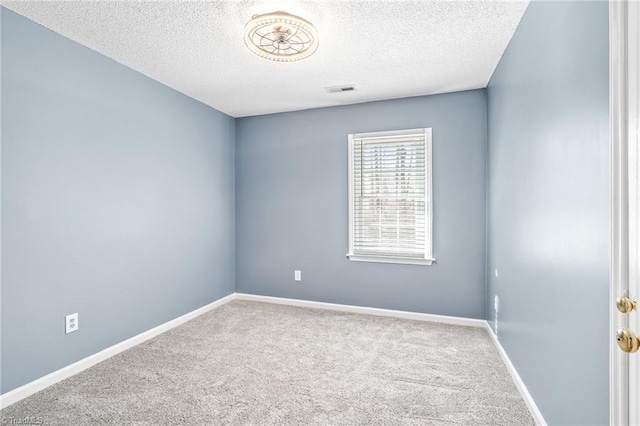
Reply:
x=292, y=195
x=117, y=202
x=549, y=207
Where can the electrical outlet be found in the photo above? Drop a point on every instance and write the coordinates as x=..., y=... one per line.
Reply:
x=297, y=275
x=496, y=306
x=71, y=323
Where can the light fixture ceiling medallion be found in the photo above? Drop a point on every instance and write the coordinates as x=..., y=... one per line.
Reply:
x=281, y=36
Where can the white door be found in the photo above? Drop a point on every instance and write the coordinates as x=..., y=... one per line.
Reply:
x=625, y=167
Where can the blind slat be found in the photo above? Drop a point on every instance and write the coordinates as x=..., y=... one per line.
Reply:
x=403, y=139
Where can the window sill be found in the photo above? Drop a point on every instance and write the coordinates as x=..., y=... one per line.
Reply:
x=400, y=260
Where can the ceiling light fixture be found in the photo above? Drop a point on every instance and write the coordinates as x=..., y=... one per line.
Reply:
x=281, y=36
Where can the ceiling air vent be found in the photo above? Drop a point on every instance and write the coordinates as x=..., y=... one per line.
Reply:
x=340, y=89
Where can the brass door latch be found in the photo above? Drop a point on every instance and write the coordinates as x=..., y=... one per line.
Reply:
x=628, y=341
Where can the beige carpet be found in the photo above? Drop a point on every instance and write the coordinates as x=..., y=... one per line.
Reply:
x=249, y=363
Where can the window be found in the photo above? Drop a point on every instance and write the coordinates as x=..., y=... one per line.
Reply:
x=390, y=209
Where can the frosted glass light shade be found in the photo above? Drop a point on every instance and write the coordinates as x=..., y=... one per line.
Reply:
x=281, y=36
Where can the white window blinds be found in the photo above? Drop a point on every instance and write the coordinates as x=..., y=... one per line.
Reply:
x=390, y=196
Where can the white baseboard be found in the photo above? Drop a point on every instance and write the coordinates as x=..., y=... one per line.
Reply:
x=528, y=399
x=470, y=322
x=37, y=385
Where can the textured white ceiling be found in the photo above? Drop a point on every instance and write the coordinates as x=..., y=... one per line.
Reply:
x=388, y=49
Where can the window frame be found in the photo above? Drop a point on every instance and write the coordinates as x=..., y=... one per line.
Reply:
x=428, y=197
